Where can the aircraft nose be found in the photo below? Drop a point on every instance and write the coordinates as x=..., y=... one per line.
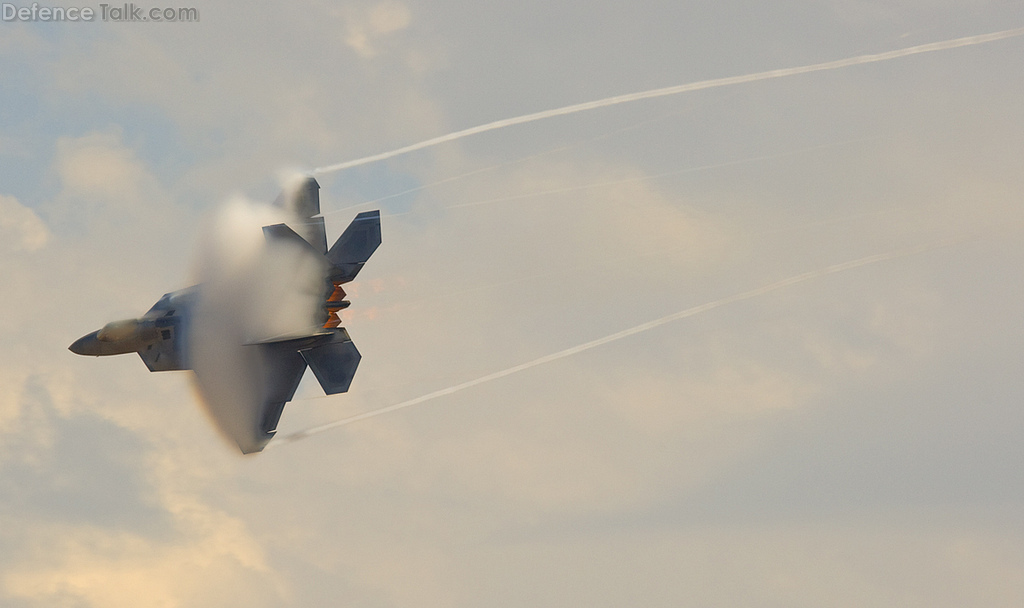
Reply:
x=86, y=345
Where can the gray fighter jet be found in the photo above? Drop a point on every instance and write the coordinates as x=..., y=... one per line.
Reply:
x=273, y=367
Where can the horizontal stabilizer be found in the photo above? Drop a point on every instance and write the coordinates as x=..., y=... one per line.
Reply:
x=282, y=232
x=355, y=246
x=334, y=364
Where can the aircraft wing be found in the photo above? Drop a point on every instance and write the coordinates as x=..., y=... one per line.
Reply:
x=284, y=368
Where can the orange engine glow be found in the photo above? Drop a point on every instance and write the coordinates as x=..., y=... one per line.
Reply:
x=337, y=295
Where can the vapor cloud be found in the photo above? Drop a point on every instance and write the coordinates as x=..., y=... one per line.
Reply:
x=251, y=291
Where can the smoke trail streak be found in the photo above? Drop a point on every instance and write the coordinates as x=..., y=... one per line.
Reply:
x=509, y=163
x=684, y=88
x=632, y=331
x=446, y=180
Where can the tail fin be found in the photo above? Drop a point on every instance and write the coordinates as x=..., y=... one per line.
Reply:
x=334, y=363
x=354, y=247
x=301, y=195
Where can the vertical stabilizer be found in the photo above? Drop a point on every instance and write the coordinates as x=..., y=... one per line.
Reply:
x=354, y=247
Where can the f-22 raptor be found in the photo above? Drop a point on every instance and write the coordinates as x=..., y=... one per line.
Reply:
x=273, y=366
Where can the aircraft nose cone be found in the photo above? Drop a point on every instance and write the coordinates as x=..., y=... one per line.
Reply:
x=86, y=345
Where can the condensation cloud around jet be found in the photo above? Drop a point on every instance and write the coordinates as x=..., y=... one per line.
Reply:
x=266, y=306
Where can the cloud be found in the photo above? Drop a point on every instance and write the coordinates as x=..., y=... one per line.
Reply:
x=369, y=26
x=299, y=113
x=798, y=564
x=100, y=515
x=718, y=393
x=20, y=228
x=13, y=382
x=99, y=167
x=575, y=483
x=100, y=568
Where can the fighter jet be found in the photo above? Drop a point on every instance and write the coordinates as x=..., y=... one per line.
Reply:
x=270, y=367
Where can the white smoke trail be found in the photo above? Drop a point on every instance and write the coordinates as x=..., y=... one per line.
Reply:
x=509, y=163
x=632, y=331
x=684, y=88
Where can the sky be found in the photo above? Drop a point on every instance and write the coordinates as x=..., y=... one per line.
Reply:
x=853, y=439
